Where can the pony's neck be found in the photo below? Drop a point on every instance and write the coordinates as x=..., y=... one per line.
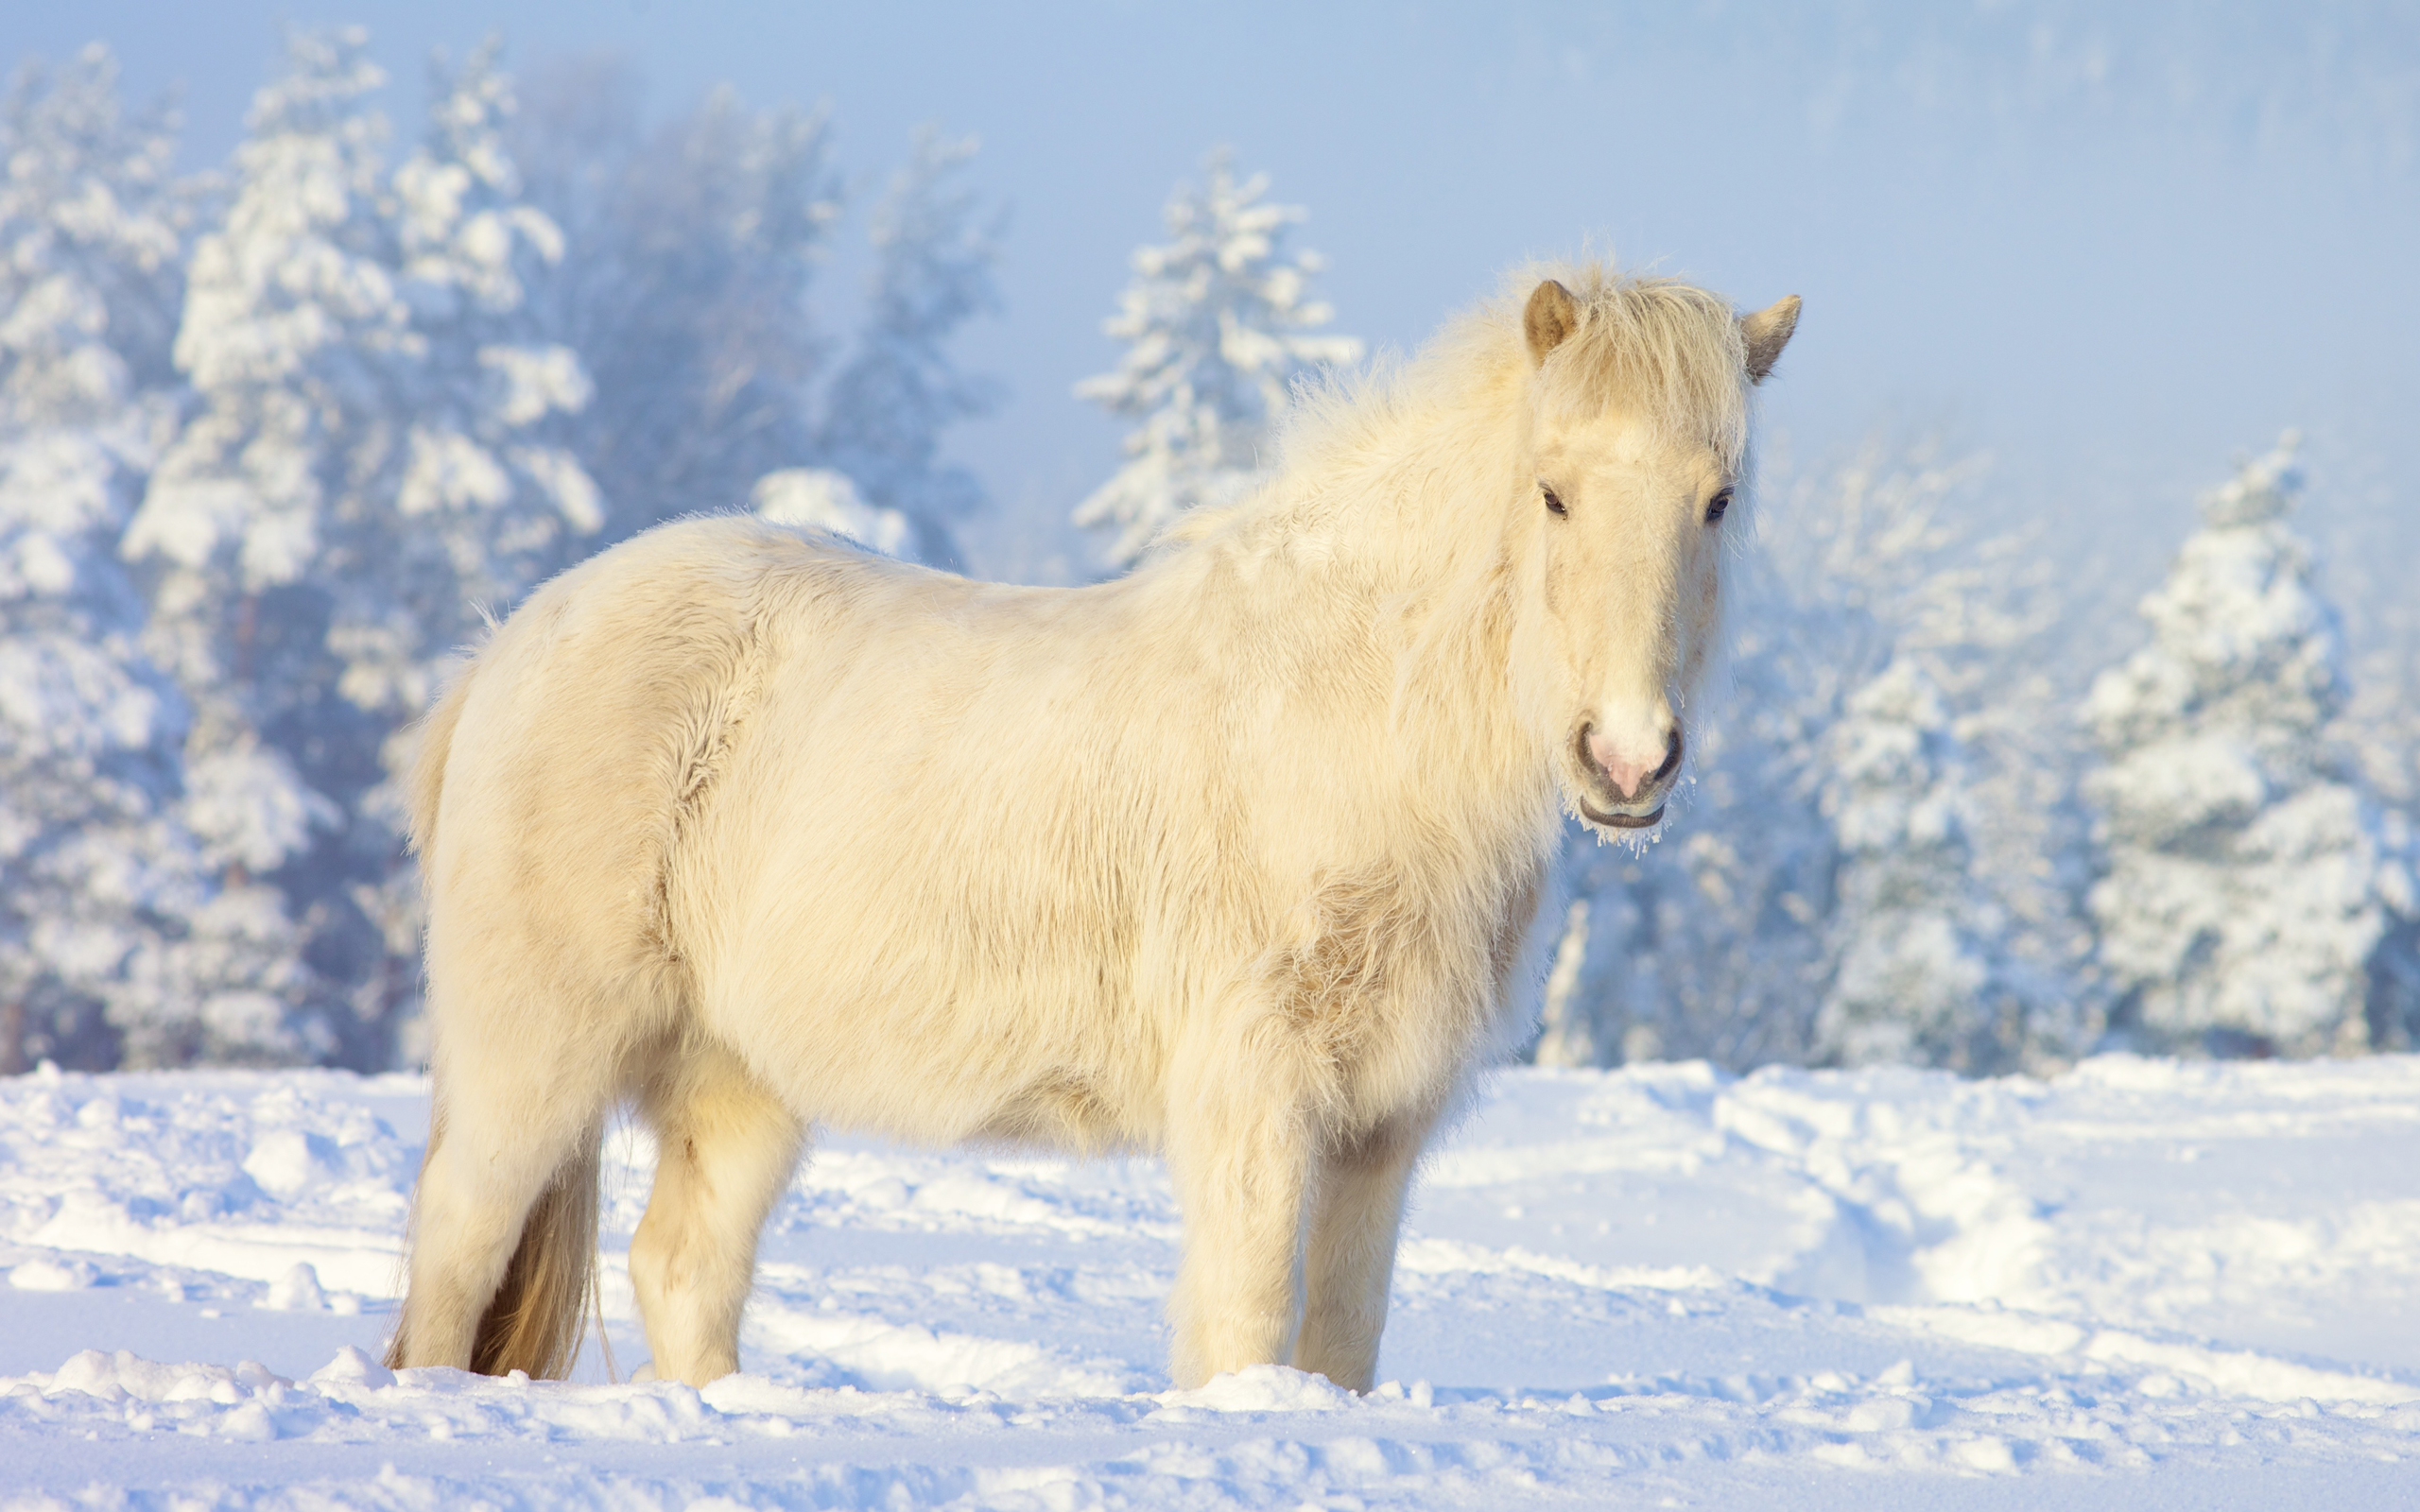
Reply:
x=1404, y=500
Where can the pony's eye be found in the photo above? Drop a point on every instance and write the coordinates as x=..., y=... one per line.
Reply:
x=1717, y=504
x=1552, y=502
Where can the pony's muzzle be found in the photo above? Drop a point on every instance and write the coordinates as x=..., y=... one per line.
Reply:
x=1627, y=779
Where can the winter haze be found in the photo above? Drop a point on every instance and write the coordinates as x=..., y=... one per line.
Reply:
x=2113, y=245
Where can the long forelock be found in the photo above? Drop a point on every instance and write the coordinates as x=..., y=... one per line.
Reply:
x=1656, y=349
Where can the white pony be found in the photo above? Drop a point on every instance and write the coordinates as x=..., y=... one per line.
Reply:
x=1231, y=859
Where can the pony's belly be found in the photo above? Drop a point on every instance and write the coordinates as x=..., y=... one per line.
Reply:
x=897, y=1067
x=890, y=970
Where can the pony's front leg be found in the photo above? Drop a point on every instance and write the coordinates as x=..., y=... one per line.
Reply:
x=1357, y=1211
x=1239, y=1153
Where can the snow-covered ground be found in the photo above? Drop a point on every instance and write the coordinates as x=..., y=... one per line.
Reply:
x=2141, y=1285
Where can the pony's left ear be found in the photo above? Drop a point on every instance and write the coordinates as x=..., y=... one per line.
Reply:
x=1765, y=332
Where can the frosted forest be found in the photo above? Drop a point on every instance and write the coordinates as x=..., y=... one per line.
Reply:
x=276, y=440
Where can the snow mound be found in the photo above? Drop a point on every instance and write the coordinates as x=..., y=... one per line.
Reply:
x=1264, y=1388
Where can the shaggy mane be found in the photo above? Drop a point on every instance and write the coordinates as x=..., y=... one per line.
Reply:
x=1657, y=349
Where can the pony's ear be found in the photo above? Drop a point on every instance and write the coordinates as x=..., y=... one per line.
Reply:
x=1765, y=332
x=1551, y=316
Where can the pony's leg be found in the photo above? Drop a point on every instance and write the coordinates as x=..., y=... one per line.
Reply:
x=1240, y=1164
x=726, y=1148
x=510, y=1126
x=1356, y=1214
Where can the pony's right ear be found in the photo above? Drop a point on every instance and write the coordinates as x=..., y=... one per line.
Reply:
x=1551, y=316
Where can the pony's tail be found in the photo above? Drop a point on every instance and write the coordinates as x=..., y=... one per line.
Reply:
x=536, y=1320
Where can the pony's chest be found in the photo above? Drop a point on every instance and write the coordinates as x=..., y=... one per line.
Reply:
x=1394, y=952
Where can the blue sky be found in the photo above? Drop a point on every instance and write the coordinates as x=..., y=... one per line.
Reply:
x=2117, y=247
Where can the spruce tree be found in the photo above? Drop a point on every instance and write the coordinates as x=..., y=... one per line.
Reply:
x=1845, y=874
x=1218, y=323
x=291, y=322
x=376, y=452
x=820, y=499
x=2248, y=882
x=97, y=876
x=1914, y=974
x=1708, y=940
x=483, y=498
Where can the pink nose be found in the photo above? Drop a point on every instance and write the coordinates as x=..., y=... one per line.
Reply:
x=1629, y=770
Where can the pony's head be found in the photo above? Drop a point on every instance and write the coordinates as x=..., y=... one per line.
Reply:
x=1637, y=410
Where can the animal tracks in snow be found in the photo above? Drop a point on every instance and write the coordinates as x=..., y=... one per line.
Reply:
x=1661, y=1283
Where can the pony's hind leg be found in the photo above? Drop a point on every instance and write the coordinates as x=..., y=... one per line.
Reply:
x=504, y=1219
x=726, y=1148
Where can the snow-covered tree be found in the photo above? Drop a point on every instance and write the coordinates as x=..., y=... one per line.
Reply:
x=1219, y=322
x=884, y=418
x=825, y=500
x=686, y=292
x=90, y=251
x=292, y=324
x=1914, y=972
x=1935, y=754
x=377, y=449
x=2250, y=882
x=2382, y=722
x=483, y=497
x=1708, y=941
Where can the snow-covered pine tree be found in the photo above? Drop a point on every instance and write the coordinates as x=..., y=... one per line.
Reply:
x=1915, y=978
x=1923, y=731
x=1219, y=322
x=884, y=418
x=1708, y=942
x=2382, y=720
x=376, y=449
x=825, y=500
x=685, y=295
x=483, y=498
x=95, y=873
x=292, y=323
x=2248, y=884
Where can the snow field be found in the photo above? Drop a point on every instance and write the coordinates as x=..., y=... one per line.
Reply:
x=2141, y=1284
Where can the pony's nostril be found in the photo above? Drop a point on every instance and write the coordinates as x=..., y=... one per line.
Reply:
x=1674, y=745
x=1597, y=753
